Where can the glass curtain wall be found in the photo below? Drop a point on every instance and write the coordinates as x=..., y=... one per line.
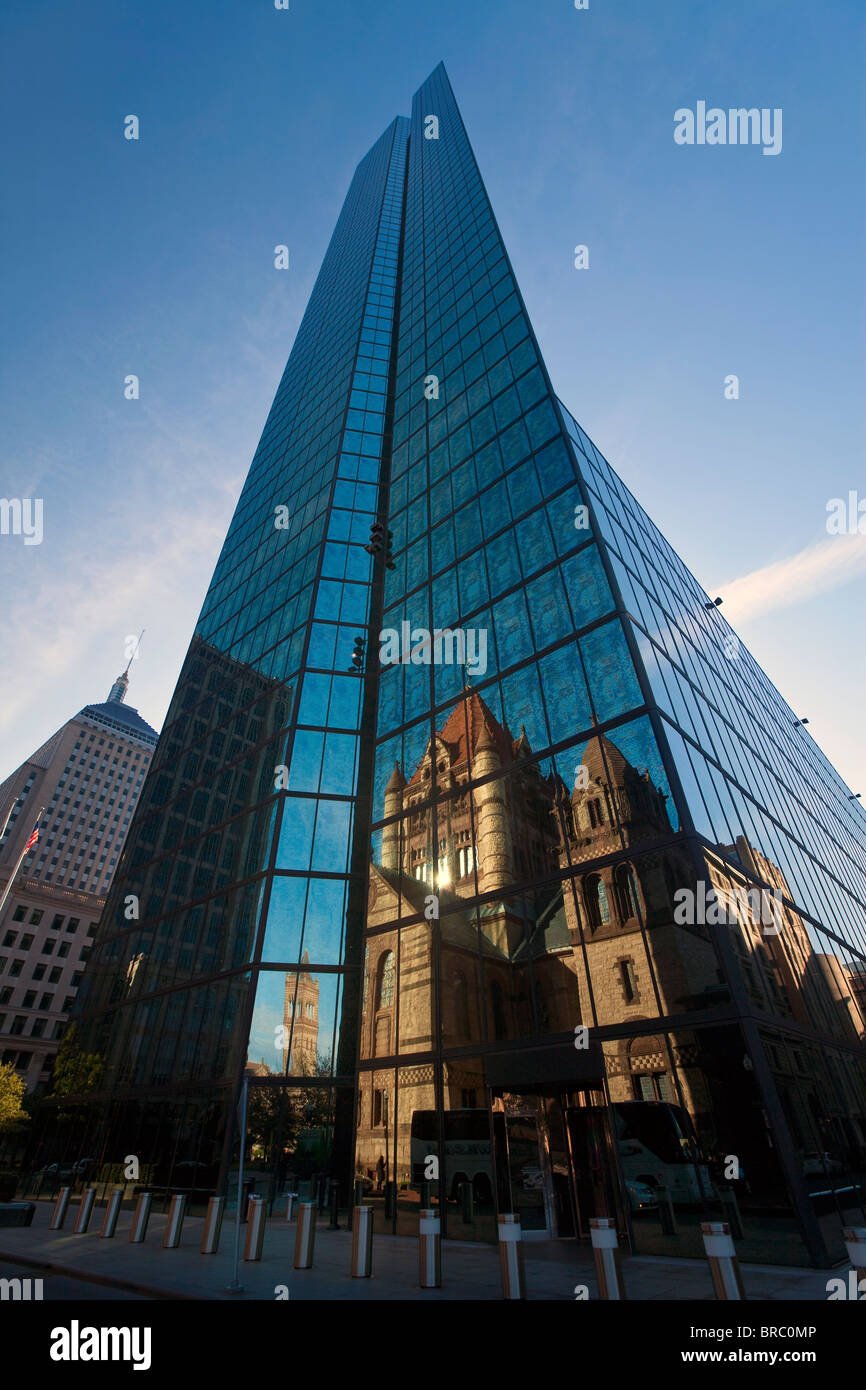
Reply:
x=226, y=943
x=475, y=839
x=555, y=1020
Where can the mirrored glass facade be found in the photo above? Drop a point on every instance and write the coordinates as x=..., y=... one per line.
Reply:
x=475, y=839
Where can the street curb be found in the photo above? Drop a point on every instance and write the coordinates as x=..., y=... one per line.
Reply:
x=125, y=1285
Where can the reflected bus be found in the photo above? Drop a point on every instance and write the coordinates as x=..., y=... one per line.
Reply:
x=656, y=1146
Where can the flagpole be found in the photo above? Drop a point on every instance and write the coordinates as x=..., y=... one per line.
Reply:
x=22, y=856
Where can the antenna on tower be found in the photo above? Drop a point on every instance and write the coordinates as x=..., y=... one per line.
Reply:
x=117, y=693
x=134, y=651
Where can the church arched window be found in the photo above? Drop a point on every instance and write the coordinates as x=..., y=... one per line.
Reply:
x=597, y=905
x=385, y=993
x=626, y=892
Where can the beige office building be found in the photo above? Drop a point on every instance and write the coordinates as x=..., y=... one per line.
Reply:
x=88, y=777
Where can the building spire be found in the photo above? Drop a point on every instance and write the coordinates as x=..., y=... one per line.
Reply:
x=117, y=693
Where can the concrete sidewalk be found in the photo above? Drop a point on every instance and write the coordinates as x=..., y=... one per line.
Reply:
x=469, y=1271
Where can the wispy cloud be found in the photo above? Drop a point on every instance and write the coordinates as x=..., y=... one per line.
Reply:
x=97, y=602
x=825, y=565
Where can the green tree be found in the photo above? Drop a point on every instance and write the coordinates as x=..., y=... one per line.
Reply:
x=11, y=1095
x=76, y=1072
x=278, y=1115
x=270, y=1118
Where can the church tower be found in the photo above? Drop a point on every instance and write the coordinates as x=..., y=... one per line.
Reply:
x=301, y=1021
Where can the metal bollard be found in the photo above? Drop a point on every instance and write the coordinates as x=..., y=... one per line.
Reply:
x=731, y=1208
x=60, y=1208
x=256, y=1212
x=213, y=1223
x=468, y=1202
x=855, y=1243
x=138, y=1229
x=390, y=1200
x=430, y=1249
x=334, y=1205
x=724, y=1266
x=85, y=1208
x=112, y=1211
x=666, y=1212
x=605, y=1252
x=362, y=1242
x=511, y=1256
x=174, y=1224
x=291, y=1199
x=357, y=1200
x=305, y=1238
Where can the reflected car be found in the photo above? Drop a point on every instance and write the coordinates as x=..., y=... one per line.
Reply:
x=641, y=1196
x=71, y=1170
x=818, y=1165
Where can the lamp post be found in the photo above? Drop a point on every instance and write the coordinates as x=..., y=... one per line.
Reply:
x=236, y=1286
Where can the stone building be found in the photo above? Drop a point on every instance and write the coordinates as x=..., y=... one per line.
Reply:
x=633, y=962
x=301, y=1021
x=88, y=777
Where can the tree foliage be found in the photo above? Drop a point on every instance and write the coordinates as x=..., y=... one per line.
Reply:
x=76, y=1072
x=11, y=1095
x=277, y=1115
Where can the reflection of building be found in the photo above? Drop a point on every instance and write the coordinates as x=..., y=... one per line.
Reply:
x=637, y=961
x=477, y=819
x=299, y=1045
x=88, y=777
x=167, y=981
x=611, y=807
x=301, y=1022
x=485, y=841
x=857, y=976
x=499, y=839
x=541, y=961
x=822, y=1095
x=782, y=970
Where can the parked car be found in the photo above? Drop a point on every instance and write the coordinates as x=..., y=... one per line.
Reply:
x=53, y=1170
x=641, y=1196
x=819, y=1165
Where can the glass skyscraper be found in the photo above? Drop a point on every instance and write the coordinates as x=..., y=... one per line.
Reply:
x=474, y=838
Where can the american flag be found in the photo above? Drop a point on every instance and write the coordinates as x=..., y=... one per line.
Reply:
x=33, y=839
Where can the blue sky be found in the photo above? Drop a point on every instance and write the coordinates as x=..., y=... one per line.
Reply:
x=156, y=258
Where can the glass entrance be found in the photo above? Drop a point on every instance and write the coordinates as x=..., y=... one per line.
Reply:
x=593, y=1161
x=555, y=1161
x=522, y=1162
